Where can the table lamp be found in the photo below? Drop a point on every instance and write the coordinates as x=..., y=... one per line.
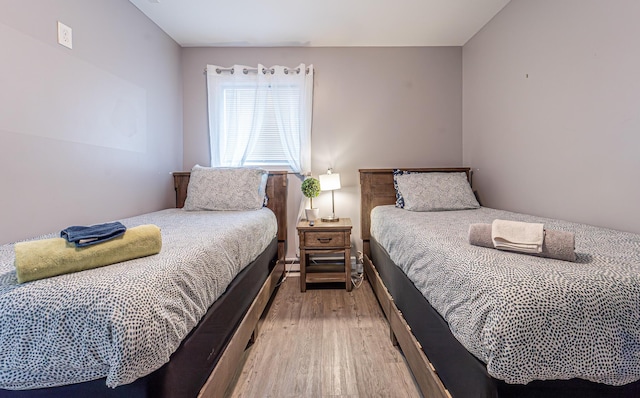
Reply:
x=330, y=182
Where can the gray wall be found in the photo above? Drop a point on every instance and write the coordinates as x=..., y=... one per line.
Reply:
x=90, y=134
x=373, y=107
x=551, y=113
x=549, y=107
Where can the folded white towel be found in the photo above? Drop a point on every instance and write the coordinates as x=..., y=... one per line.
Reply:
x=517, y=236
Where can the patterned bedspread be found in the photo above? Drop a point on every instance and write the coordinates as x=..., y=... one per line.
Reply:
x=124, y=320
x=527, y=318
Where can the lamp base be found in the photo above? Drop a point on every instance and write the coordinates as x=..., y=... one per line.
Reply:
x=330, y=219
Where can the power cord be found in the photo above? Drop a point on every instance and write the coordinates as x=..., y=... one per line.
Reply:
x=358, y=278
x=286, y=271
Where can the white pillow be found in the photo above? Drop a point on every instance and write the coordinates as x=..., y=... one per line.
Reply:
x=226, y=188
x=436, y=191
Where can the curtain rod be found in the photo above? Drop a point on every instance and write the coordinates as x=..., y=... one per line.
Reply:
x=264, y=70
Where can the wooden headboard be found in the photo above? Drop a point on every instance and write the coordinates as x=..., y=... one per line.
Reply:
x=376, y=189
x=276, y=192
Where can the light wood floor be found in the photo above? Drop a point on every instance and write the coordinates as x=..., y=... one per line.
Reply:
x=323, y=343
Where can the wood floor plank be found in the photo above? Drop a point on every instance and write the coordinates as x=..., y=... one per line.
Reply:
x=323, y=343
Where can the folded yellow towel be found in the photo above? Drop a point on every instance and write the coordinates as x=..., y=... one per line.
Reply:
x=50, y=257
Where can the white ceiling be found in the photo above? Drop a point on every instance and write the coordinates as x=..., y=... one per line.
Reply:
x=320, y=23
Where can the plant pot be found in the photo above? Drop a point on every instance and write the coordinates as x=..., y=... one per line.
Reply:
x=312, y=214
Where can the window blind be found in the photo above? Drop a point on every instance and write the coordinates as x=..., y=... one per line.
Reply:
x=238, y=110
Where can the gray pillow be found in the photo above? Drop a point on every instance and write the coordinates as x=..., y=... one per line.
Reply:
x=436, y=191
x=226, y=188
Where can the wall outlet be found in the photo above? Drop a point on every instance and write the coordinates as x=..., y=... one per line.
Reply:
x=65, y=35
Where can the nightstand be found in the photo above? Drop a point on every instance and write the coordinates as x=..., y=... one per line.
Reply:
x=325, y=238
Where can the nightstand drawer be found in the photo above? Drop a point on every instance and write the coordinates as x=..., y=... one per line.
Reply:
x=324, y=239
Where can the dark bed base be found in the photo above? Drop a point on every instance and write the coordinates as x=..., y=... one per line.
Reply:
x=200, y=351
x=462, y=373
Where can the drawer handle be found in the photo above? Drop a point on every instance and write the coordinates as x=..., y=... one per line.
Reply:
x=324, y=240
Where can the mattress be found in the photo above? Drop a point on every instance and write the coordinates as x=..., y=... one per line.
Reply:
x=124, y=321
x=526, y=318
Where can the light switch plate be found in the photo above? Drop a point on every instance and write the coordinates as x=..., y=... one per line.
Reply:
x=65, y=35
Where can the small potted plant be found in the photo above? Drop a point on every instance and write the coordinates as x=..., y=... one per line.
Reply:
x=311, y=189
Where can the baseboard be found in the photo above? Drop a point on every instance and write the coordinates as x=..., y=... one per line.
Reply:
x=292, y=265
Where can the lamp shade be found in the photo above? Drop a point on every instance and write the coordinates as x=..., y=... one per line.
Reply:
x=329, y=182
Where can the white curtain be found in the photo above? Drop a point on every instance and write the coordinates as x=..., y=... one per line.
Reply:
x=232, y=149
x=294, y=120
x=293, y=111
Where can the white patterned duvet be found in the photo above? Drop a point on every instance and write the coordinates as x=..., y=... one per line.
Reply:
x=527, y=318
x=123, y=321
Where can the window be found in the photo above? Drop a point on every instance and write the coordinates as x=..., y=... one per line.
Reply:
x=260, y=117
x=237, y=117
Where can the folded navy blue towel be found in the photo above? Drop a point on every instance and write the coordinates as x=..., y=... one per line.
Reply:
x=91, y=235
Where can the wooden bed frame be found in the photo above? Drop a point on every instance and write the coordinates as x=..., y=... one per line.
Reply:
x=466, y=375
x=376, y=190
x=223, y=373
x=268, y=267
